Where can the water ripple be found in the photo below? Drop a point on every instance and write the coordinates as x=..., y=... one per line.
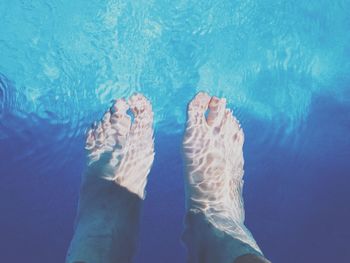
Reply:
x=66, y=65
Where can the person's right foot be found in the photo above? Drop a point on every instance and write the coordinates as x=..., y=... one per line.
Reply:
x=214, y=162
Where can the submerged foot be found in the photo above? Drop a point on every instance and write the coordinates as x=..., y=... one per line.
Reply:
x=120, y=155
x=214, y=162
x=122, y=150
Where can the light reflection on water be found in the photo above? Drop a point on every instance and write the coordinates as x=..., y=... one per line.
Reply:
x=268, y=59
x=62, y=63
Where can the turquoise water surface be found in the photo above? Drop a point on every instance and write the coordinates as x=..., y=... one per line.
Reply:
x=283, y=66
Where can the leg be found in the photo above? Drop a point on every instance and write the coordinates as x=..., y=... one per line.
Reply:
x=120, y=155
x=214, y=230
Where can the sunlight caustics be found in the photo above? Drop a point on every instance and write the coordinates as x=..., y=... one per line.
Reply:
x=65, y=62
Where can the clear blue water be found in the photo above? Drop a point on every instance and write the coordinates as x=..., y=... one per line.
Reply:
x=283, y=65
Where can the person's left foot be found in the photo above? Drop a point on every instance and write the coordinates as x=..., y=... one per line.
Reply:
x=120, y=150
x=120, y=155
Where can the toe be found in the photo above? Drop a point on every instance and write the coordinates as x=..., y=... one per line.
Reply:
x=216, y=113
x=120, y=120
x=99, y=135
x=94, y=142
x=120, y=107
x=139, y=104
x=90, y=140
x=142, y=110
x=197, y=108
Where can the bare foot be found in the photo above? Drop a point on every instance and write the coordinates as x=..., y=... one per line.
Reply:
x=120, y=155
x=122, y=151
x=214, y=161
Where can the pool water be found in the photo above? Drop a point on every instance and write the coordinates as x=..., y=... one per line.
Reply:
x=283, y=66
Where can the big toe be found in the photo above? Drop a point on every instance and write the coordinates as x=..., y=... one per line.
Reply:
x=197, y=108
x=216, y=111
x=143, y=114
